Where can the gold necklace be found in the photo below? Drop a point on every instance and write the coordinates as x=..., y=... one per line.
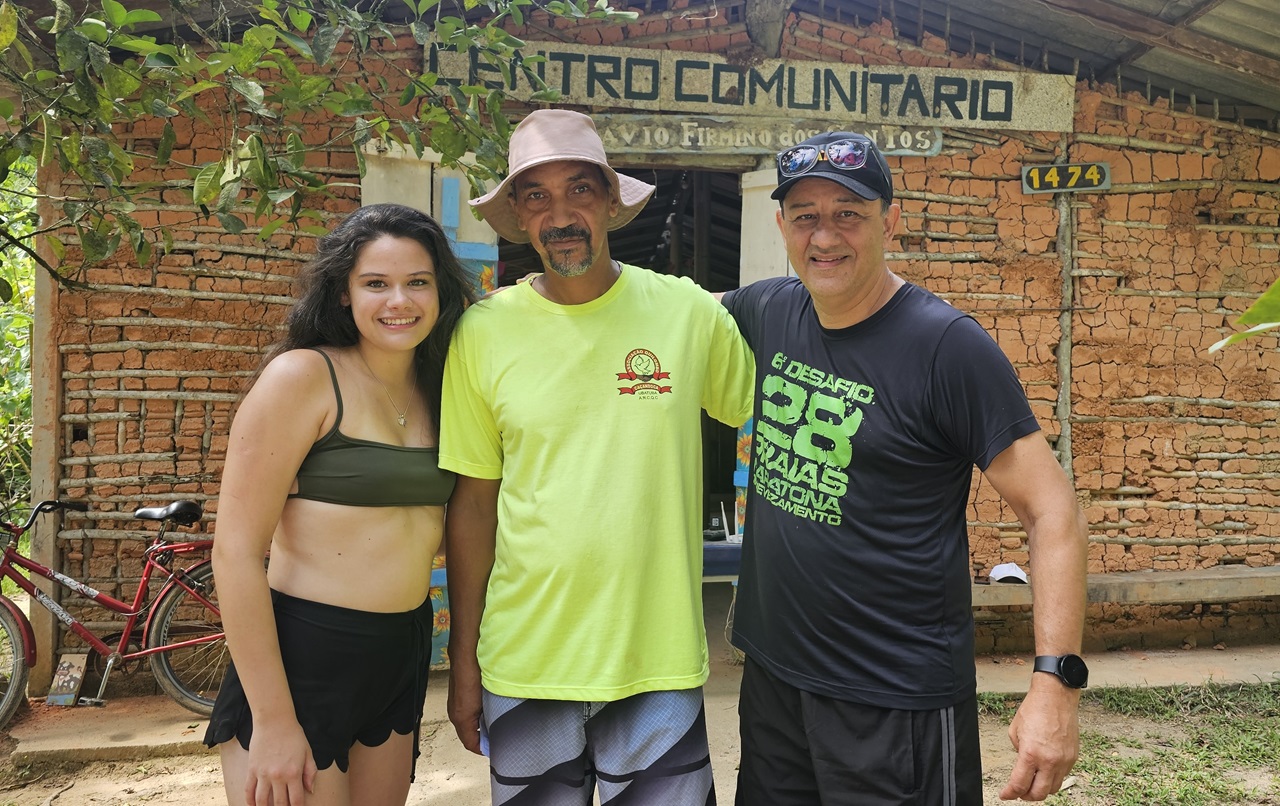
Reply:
x=400, y=415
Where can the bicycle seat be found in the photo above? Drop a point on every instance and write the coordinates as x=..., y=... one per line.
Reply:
x=184, y=512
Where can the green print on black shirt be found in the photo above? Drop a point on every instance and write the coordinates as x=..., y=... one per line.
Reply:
x=804, y=438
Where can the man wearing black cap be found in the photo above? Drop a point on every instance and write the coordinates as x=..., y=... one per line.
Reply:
x=875, y=400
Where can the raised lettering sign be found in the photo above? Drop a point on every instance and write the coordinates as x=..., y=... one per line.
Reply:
x=706, y=84
x=659, y=134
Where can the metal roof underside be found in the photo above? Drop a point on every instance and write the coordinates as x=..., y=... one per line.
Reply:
x=1217, y=52
x=1223, y=51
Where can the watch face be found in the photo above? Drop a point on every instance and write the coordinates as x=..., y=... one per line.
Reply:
x=1073, y=671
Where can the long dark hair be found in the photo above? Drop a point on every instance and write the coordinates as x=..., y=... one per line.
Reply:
x=319, y=319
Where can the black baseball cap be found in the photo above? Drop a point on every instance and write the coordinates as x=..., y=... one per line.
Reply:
x=848, y=159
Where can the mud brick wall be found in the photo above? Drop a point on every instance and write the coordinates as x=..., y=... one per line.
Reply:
x=1104, y=301
x=1173, y=447
x=153, y=359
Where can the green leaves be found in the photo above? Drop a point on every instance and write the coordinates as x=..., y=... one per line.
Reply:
x=119, y=17
x=115, y=12
x=17, y=269
x=298, y=44
x=324, y=42
x=1263, y=315
x=207, y=183
x=62, y=17
x=139, y=16
x=271, y=100
x=250, y=90
x=1265, y=309
x=195, y=89
x=8, y=28
x=165, y=147
x=300, y=19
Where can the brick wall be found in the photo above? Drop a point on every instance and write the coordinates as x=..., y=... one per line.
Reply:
x=153, y=359
x=1170, y=447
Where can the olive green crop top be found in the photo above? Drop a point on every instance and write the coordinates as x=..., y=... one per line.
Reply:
x=362, y=473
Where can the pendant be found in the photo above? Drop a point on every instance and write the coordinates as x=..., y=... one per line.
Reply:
x=400, y=420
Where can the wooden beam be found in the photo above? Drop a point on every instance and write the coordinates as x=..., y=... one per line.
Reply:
x=701, y=228
x=1151, y=31
x=1224, y=583
x=1141, y=50
x=1197, y=12
x=765, y=19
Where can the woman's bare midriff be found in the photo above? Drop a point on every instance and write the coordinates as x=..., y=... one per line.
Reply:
x=376, y=559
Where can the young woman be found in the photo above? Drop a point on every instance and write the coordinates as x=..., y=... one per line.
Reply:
x=331, y=465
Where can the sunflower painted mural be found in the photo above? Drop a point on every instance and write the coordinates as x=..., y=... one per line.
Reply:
x=740, y=474
x=488, y=279
x=439, y=597
x=480, y=259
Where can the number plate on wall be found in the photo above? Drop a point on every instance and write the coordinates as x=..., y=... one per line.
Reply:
x=1063, y=178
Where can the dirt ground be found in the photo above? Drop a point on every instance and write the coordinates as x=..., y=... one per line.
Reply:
x=196, y=780
x=448, y=774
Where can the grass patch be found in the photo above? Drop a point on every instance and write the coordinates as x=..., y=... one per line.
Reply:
x=1000, y=706
x=1185, y=746
x=1178, y=775
x=1231, y=700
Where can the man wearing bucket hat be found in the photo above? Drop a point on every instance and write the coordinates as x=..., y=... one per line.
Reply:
x=571, y=413
x=876, y=400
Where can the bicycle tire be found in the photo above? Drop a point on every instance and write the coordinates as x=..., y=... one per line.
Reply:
x=190, y=675
x=13, y=666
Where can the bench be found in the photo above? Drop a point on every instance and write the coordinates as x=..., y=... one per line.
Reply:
x=720, y=561
x=1223, y=583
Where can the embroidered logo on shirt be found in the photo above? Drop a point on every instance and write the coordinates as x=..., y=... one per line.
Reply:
x=644, y=368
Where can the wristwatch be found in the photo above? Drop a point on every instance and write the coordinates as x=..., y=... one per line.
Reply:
x=1070, y=669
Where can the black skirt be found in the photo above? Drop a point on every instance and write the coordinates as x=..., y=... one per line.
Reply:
x=354, y=676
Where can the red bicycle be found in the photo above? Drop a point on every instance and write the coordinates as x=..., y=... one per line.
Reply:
x=181, y=632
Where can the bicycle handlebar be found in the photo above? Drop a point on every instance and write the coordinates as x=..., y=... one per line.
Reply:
x=182, y=512
x=53, y=506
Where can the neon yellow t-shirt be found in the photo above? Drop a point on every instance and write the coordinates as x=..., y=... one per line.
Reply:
x=590, y=416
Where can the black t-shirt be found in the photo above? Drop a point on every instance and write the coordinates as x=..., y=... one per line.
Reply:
x=855, y=580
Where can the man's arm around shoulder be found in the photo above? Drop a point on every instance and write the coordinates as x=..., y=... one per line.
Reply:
x=1045, y=732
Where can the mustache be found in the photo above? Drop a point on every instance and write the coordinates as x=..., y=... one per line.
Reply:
x=571, y=232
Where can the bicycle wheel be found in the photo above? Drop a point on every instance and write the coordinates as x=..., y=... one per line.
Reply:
x=13, y=666
x=191, y=675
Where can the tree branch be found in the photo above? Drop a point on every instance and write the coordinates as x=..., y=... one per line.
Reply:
x=65, y=282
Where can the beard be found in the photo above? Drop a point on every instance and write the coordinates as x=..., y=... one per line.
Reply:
x=561, y=262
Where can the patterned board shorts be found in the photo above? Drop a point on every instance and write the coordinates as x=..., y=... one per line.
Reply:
x=646, y=749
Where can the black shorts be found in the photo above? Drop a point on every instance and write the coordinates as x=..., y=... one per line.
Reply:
x=354, y=676
x=802, y=749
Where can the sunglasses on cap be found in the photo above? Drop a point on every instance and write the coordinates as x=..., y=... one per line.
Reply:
x=845, y=155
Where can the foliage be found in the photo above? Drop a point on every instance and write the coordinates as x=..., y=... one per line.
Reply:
x=1263, y=315
x=17, y=216
x=1122, y=775
x=1214, y=700
x=1000, y=706
x=252, y=76
x=1208, y=745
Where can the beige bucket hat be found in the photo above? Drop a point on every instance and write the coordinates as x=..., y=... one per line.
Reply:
x=551, y=135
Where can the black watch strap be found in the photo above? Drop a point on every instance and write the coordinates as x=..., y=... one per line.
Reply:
x=1070, y=669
